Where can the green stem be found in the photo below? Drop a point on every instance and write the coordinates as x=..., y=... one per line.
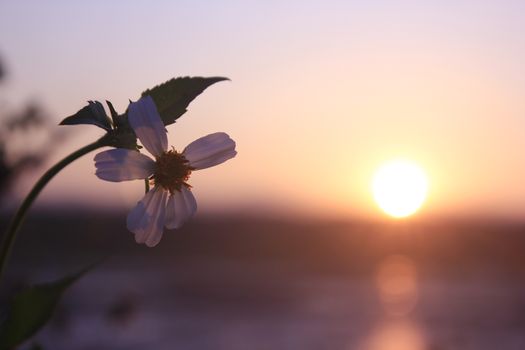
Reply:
x=10, y=235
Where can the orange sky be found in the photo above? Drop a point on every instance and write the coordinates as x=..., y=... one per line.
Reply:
x=321, y=94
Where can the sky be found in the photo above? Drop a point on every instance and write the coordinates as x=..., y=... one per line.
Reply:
x=321, y=94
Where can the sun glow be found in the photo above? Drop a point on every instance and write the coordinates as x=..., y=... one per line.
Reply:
x=400, y=187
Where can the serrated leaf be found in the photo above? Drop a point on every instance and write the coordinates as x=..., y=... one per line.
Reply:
x=173, y=97
x=93, y=114
x=31, y=308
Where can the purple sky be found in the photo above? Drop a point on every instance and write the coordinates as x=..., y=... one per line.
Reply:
x=322, y=93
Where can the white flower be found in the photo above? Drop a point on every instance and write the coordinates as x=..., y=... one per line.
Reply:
x=170, y=203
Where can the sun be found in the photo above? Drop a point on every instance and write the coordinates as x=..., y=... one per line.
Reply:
x=400, y=187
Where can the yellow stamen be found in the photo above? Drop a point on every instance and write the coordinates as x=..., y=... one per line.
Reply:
x=172, y=170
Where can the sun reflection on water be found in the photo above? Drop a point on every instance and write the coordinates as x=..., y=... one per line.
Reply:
x=398, y=334
x=398, y=290
x=396, y=280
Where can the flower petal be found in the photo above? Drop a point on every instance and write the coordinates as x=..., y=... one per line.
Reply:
x=145, y=121
x=210, y=150
x=122, y=165
x=181, y=207
x=146, y=220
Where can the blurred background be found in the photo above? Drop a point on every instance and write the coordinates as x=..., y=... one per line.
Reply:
x=288, y=249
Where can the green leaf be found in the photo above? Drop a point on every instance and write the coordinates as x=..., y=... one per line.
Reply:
x=31, y=308
x=112, y=109
x=36, y=346
x=93, y=114
x=173, y=97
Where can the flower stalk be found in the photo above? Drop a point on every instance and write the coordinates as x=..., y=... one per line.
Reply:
x=11, y=233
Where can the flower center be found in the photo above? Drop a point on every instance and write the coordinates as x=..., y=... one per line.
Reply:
x=172, y=170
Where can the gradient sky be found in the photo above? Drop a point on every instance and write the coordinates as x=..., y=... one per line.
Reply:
x=322, y=93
